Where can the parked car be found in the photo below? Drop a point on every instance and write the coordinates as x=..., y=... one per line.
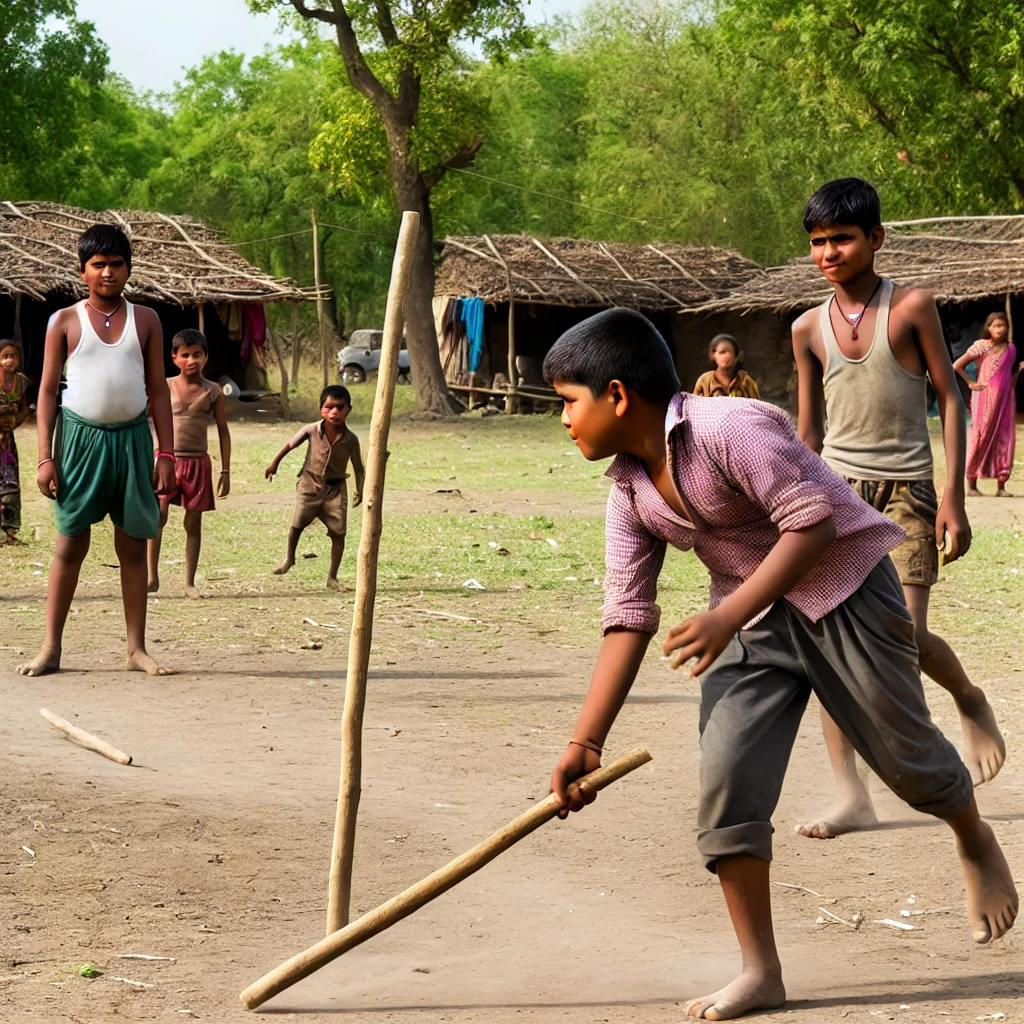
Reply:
x=361, y=357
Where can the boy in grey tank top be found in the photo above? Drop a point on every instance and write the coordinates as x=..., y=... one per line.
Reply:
x=863, y=359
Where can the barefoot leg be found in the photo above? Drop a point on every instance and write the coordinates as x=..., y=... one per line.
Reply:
x=991, y=895
x=854, y=810
x=64, y=571
x=131, y=554
x=984, y=748
x=337, y=551
x=972, y=488
x=1003, y=492
x=747, y=894
x=289, y=559
x=153, y=553
x=193, y=544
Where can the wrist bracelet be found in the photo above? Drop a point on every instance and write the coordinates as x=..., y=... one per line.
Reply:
x=43, y=462
x=587, y=745
x=166, y=455
x=225, y=472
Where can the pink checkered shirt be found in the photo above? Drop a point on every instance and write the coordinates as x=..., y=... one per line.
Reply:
x=744, y=477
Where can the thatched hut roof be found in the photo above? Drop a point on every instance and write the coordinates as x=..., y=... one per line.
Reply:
x=958, y=258
x=174, y=259
x=578, y=272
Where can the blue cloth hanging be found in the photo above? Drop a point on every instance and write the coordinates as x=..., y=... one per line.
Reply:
x=471, y=313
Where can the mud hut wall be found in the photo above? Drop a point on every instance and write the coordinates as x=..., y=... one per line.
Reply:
x=764, y=338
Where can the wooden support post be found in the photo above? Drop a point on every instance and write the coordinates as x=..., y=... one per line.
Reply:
x=418, y=895
x=296, y=347
x=340, y=889
x=511, y=403
x=202, y=321
x=17, y=323
x=1009, y=320
x=319, y=298
x=276, y=349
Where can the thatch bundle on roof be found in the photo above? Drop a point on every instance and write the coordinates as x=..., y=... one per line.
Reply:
x=959, y=258
x=175, y=260
x=578, y=272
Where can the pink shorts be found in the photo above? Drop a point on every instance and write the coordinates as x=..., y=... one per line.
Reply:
x=193, y=489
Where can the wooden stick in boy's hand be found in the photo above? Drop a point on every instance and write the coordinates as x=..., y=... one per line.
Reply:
x=405, y=903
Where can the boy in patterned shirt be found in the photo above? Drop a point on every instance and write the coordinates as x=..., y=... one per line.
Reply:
x=803, y=597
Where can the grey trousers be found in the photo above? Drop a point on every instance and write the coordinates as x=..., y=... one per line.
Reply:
x=861, y=661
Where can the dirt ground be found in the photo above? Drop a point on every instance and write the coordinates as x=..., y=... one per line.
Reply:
x=213, y=847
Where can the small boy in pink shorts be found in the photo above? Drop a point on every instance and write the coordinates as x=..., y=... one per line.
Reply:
x=194, y=401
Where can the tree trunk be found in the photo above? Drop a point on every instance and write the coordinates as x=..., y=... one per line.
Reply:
x=432, y=395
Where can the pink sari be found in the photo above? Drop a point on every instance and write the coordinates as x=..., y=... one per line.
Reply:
x=993, y=433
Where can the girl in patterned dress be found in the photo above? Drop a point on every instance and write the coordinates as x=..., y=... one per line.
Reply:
x=992, y=439
x=13, y=410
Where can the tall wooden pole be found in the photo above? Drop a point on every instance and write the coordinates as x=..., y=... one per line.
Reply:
x=319, y=298
x=340, y=888
x=510, y=402
x=1009, y=320
x=296, y=347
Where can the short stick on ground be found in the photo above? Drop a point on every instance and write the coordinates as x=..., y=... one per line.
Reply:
x=86, y=739
x=398, y=907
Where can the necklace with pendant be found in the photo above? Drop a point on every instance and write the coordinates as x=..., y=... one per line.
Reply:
x=106, y=316
x=855, y=318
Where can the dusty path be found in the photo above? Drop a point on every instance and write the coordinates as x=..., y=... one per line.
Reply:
x=214, y=849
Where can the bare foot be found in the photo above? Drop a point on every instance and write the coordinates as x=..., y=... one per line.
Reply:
x=339, y=588
x=192, y=593
x=284, y=567
x=14, y=539
x=1003, y=493
x=984, y=748
x=45, y=662
x=974, y=492
x=843, y=818
x=752, y=990
x=991, y=896
x=154, y=585
x=140, y=661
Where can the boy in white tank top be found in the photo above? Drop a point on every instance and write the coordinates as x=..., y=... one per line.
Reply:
x=101, y=462
x=863, y=359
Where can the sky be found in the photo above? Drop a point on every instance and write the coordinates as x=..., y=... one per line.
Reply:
x=150, y=41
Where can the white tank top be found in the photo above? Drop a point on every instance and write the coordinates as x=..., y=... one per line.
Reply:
x=876, y=411
x=106, y=383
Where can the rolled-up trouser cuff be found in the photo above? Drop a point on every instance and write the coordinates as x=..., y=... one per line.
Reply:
x=950, y=800
x=750, y=839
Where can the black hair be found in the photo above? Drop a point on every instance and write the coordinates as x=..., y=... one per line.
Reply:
x=616, y=344
x=11, y=343
x=844, y=201
x=190, y=336
x=336, y=391
x=104, y=240
x=723, y=337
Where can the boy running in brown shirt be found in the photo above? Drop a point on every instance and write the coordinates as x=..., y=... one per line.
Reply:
x=862, y=360
x=194, y=401
x=321, y=492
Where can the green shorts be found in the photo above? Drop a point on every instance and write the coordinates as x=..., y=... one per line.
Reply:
x=105, y=469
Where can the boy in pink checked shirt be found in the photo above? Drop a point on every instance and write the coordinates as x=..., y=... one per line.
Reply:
x=803, y=597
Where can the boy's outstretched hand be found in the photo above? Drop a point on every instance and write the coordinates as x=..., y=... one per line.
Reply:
x=703, y=637
x=572, y=765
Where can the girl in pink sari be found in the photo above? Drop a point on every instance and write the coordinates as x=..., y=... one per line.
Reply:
x=990, y=448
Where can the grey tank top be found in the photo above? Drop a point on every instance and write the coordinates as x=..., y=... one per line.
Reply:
x=876, y=411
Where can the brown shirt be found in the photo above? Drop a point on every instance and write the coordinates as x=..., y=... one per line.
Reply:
x=741, y=386
x=192, y=415
x=328, y=463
